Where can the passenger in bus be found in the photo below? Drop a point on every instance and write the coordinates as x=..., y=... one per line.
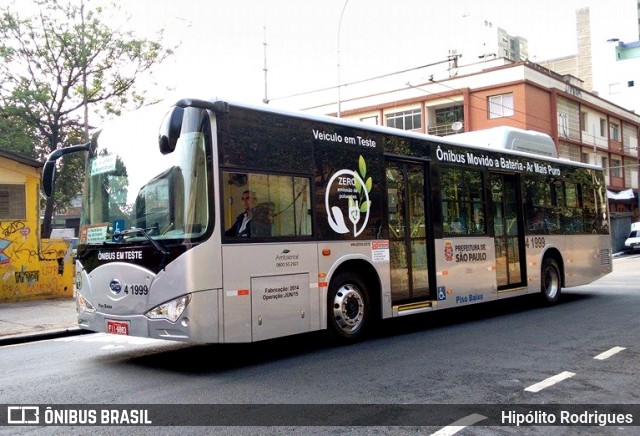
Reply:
x=262, y=219
x=242, y=226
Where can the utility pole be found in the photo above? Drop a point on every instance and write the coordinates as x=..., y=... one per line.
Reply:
x=339, y=79
x=265, y=99
x=84, y=76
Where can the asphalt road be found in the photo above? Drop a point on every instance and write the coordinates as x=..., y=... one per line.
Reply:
x=510, y=352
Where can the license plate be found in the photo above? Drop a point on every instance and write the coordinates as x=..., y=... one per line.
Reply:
x=118, y=327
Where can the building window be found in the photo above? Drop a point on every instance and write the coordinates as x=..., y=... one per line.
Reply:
x=501, y=106
x=615, y=168
x=406, y=120
x=605, y=165
x=445, y=119
x=373, y=120
x=614, y=88
x=603, y=127
x=584, y=158
x=563, y=124
x=583, y=121
x=13, y=203
x=614, y=132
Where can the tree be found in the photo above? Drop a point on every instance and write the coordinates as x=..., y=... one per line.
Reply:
x=15, y=134
x=56, y=64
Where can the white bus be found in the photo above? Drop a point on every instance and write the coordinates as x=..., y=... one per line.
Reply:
x=241, y=223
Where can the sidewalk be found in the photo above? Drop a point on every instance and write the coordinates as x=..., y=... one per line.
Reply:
x=27, y=321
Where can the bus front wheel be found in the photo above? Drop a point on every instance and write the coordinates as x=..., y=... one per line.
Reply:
x=348, y=308
x=550, y=281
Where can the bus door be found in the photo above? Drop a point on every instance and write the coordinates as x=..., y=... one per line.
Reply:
x=407, y=223
x=508, y=230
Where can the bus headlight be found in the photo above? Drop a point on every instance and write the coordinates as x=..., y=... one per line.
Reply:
x=170, y=310
x=82, y=304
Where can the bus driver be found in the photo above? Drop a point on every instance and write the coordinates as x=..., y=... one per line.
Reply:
x=242, y=225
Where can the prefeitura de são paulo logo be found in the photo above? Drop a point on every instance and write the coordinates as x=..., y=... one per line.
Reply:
x=348, y=194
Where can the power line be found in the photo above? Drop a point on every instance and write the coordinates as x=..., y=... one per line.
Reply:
x=515, y=111
x=450, y=58
x=382, y=76
x=473, y=96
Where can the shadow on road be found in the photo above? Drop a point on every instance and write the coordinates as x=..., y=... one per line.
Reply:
x=219, y=358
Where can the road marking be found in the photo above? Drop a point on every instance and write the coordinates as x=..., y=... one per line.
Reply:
x=459, y=425
x=609, y=353
x=550, y=381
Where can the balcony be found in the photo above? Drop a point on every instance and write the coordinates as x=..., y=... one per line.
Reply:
x=445, y=129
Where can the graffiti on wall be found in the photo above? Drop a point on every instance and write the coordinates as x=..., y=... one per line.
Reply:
x=3, y=245
x=25, y=271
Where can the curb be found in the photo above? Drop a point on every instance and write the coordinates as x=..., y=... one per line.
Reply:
x=42, y=336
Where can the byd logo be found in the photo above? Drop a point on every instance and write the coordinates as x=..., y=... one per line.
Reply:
x=115, y=286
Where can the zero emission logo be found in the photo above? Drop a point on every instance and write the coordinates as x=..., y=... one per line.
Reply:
x=347, y=195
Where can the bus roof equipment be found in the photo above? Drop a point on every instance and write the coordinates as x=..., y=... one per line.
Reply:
x=510, y=138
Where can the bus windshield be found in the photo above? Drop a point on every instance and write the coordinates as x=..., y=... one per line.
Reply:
x=134, y=192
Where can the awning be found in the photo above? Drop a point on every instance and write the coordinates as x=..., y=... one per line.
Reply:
x=626, y=196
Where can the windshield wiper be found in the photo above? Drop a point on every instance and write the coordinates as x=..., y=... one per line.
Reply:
x=134, y=230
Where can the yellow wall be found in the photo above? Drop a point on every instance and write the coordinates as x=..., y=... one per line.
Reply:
x=30, y=270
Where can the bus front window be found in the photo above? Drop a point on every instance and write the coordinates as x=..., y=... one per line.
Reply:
x=130, y=183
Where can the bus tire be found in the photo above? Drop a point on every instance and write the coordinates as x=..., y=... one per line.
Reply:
x=348, y=308
x=550, y=281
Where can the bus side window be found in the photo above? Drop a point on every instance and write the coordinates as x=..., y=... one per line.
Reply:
x=463, y=202
x=263, y=220
x=279, y=207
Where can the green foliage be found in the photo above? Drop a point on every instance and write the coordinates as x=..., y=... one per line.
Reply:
x=16, y=135
x=362, y=170
x=64, y=59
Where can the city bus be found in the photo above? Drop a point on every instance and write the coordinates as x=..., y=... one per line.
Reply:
x=229, y=223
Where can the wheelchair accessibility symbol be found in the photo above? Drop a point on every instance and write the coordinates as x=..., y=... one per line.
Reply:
x=442, y=294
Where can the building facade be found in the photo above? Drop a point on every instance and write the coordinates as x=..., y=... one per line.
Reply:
x=30, y=268
x=608, y=52
x=585, y=127
x=490, y=41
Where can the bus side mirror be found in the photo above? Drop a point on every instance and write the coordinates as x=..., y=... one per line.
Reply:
x=170, y=130
x=49, y=170
x=48, y=175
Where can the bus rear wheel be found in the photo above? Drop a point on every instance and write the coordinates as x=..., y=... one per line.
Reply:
x=348, y=308
x=550, y=284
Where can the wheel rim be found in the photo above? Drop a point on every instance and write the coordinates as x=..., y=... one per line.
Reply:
x=551, y=283
x=348, y=308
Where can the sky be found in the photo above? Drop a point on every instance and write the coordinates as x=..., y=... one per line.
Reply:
x=221, y=43
x=222, y=50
